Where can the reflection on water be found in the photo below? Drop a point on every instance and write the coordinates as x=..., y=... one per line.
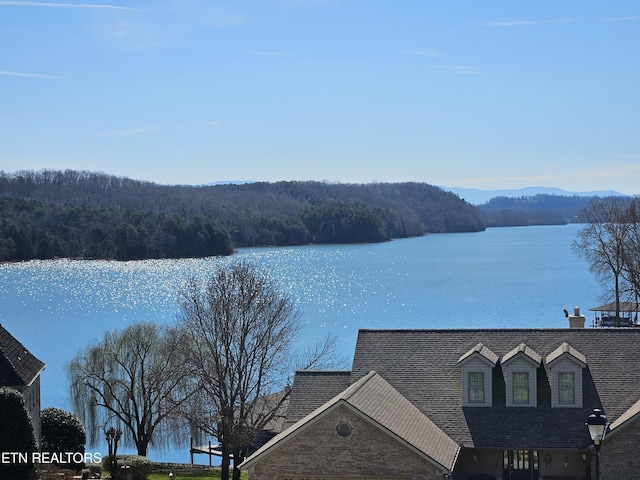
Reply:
x=501, y=278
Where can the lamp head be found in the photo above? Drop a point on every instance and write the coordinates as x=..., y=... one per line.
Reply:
x=597, y=424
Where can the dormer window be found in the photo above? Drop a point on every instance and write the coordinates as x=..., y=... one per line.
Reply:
x=521, y=388
x=521, y=368
x=566, y=364
x=476, y=387
x=477, y=367
x=566, y=388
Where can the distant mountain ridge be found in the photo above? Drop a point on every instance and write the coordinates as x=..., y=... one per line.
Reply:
x=477, y=196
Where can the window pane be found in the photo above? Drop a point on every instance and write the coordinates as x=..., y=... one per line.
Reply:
x=521, y=387
x=476, y=387
x=566, y=387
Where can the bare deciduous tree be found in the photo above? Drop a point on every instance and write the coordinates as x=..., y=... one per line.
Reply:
x=131, y=379
x=240, y=326
x=604, y=241
x=631, y=253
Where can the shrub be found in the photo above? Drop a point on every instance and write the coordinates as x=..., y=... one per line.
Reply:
x=16, y=435
x=62, y=432
x=141, y=467
x=95, y=470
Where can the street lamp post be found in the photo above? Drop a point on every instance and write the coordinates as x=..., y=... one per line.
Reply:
x=597, y=424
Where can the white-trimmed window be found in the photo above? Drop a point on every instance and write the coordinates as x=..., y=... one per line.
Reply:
x=476, y=384
x=566, y=388
x=521, y=374
x=566, y=365
x=476, y=374
x=520, y=388
x=566, y=385
x=476, y=387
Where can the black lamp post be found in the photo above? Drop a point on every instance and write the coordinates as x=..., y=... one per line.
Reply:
x=597, y=424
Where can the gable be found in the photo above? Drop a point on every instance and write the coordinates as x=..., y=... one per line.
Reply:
x=362, y=451
x=375, y=401
x=522, y=353
x=567, y=353
x=479, y=353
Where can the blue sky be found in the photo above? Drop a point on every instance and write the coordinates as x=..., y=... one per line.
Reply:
x=476, y=94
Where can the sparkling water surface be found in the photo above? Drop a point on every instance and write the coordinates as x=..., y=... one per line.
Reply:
x=517, y=277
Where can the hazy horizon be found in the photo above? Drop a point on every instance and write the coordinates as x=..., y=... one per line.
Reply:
x=489, y=95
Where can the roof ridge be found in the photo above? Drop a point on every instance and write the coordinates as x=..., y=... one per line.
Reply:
x=354, y=388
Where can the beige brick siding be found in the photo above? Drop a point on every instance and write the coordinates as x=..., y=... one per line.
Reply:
x=319, y=452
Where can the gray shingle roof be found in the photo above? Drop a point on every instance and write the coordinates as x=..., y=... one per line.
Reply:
x=422, y=366
x=18, y=367
x=313, y=388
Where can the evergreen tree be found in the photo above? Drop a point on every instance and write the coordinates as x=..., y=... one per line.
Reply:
x=16, y=436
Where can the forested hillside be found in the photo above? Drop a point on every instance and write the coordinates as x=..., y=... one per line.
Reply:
x=79, y=214
x=541, y=209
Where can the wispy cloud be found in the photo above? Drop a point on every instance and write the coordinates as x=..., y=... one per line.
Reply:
x=623, y=19
x=7, y=73
x=459, y=69
x=517, y=23
x=421, y=52
x=266, y=53
x=290, y=3
x=64, y=5
x=167, y=23
x=130, y=132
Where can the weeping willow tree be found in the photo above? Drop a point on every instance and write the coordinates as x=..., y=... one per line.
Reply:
x=131, y=380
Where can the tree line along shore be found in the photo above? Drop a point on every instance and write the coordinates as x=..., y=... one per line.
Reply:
x=91, y=215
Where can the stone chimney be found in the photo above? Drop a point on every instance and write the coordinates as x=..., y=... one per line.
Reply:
x=576, y=320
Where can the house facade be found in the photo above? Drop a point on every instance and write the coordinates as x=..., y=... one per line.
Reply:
x=501, y=404
x=20, y=370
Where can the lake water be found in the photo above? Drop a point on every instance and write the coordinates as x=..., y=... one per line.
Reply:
x=517, y=277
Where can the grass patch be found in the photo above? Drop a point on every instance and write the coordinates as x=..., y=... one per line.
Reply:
x=188, y=473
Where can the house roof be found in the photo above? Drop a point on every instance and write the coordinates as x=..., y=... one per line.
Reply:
x=627, y=418
x=422, y=366
x=566, y=350
x=269, y=411
x=375, y=400
x=481, y=351
x=525, y=351
x=313, y=388
x=18, y=367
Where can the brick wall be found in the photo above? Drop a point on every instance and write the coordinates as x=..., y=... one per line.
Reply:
x=320, y=452
x=619, y=455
